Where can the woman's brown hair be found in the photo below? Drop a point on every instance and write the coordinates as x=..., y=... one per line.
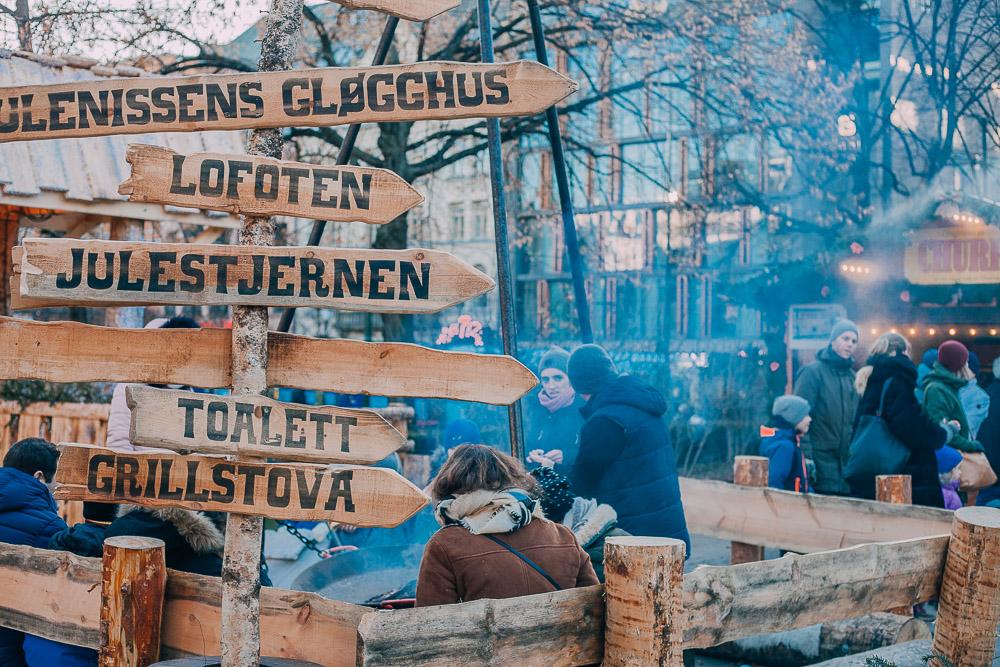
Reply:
x=478, y=467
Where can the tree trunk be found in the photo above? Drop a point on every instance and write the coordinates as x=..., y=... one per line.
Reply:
x=22, y=18
x=392, y=141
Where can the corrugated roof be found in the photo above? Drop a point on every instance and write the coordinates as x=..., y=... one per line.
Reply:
x=82, y=175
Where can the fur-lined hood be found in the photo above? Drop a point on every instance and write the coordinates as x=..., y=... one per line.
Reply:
x=601, y=520
x=195, y=527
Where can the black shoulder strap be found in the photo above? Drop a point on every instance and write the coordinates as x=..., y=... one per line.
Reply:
x=527, y=560
x=881, y=401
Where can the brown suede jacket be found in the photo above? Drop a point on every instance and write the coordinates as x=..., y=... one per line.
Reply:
x=460, y=567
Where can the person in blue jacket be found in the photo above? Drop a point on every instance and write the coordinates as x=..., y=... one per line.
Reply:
x=779, y=442
x=28, y=516
x=625, y=458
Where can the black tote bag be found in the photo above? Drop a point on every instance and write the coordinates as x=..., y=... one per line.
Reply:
x=874, y=449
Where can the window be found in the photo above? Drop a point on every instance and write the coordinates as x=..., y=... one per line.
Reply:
x=457, y=216
x=479, y=224
x=644, y=177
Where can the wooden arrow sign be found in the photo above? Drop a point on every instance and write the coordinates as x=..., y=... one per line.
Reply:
x=295, y=98
x=410, y=10
x=256, y=426
x=262, y=186
x=355, y=495
x=106, y=273
x=73, y=352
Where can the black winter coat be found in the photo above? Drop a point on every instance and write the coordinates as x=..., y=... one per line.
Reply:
x=83, y=539
x=907, y=422
x=989, y=437
x=626, y=460
x=193, y=543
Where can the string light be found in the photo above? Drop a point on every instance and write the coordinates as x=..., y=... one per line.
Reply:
x=932, y=331
x=993, y=332
x=952, y=332
x=874, y=331
x=913, y=332
x=972, y=332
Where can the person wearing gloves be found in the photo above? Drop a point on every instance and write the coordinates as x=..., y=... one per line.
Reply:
x=779, y=442
x=889, y=368
x=554, y=421
x=592, y=522
x=827, y=384
x=626, y=459
x=941, y=399
x=494, y=540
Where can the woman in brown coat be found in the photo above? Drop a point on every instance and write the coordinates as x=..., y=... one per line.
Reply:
x=494, y=541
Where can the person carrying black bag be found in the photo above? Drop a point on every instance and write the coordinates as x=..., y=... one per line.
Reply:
x=890, y=378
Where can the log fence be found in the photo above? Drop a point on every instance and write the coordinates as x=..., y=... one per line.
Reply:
x=58, y=595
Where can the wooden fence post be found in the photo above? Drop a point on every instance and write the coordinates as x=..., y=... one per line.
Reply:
x=133, y=584
x=969, y=610
x=897, y=490
x=644, y=617
x=748, y=471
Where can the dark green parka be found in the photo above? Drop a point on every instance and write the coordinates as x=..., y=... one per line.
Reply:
x=941, y=401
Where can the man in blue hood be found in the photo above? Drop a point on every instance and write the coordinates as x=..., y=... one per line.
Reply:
x=625, y=459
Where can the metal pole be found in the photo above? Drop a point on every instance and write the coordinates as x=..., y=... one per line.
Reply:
x=562, y=182
x=241, y=562
x=508, y=325
x=344, y=155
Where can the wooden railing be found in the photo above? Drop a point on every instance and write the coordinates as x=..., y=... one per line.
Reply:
x=56, y=422
x=58, y=595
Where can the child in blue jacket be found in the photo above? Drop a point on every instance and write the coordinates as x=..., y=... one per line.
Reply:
x=779, y=442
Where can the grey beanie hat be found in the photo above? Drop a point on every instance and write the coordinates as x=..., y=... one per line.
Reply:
x=840, y=326
x=791, y=408
x=555, y=357
x=589, y=368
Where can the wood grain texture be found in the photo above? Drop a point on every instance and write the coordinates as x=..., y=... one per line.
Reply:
x=895, y=489
x=802, y=522
x=355, y=495
x=258, y=185
x=410, y=10
x=727, y=603
x=551, y=629
x=969, y=609
x=290, y=98
x=748, y=471
x=106, y=273
x=133, y=581
x=73, y=352
x=644, y=620
x=187, y=422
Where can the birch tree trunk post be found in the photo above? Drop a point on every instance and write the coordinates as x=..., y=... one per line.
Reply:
x=241, y=564
x=127, y=317
x=748, y=471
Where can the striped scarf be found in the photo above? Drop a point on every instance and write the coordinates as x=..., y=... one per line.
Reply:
x=489, y=512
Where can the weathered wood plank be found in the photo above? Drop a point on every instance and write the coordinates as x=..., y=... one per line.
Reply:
x=802, y=522
x=263, y=186
x=561, y=628
x=290, y=98
x=186, y=422
x=354, y=495
x=727, y=603
x=73, y=352
x=73, y=272
x=57, y=595
x=410, y=10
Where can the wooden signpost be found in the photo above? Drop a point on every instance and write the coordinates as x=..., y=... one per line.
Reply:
x=257, y=426
x=108, y=273
x=73, y=352
x=263, y=186
x=355, y=495
x=291, y=98
x=410, y=10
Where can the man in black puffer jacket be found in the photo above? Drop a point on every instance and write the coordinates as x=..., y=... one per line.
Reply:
x=626, y=459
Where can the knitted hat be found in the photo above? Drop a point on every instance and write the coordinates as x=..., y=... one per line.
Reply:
x=556, y=358
x=99, y=512
x=590, y=367
x=974, y=365
x=556, y=498
x=791, y=408
x=461, y=432
x=840, y=326
x=929, y=358
x=947, y=458
x=953, y=355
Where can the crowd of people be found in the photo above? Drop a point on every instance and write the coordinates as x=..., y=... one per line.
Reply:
x=936, y=412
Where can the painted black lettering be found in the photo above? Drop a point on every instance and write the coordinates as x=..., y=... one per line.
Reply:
x=175, y=178
x=165, y=492
x=28, y=122
x=257, y=274
x=294, y=175
x=227, y=484
x=217, y=417
x=140, y=106
x=342, y=275
x=151, y=466
x=72, y=281
x=292, y=429
x=117, y=120
x=294, y=106
x=96, y=483
x=464, y=98
x=93, y=282
x=352, y=95
x=256, y=102
x=221, y=101
x=279, y=487
x=244, y=422
x=380, y=100
x=276, y=265
x=408, y=279
x=265, y=428
x=440, y=83
x=361, y=194
x=236, y=167
x=190, y=405
x=184, y=103
x=167, y=113
x=126, y=470
x=320, y=177
x=98, y=110
x=375, y=279
x=340, y=487
x=496, y=84
x=124, y=284
x=308, y=494
x=317, y=100
x=345, y=432
x=157, y=271
x=56, y=111
x=191, y=491
x=195, y=273
x=405, y=99
x=321, y=420
x=311, y=278
x=13, y=121
x=266, y=174
x=205, y=178
x=222, y=264
x=250, y=474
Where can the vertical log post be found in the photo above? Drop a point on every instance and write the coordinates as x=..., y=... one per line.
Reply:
x=133, y=583
x=748, y=471
x=241, y=564
x=127, y=317
x=898, y=490
x=965, y=632
x=644, y=615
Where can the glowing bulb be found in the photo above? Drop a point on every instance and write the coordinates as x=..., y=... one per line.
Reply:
x=892, y=330
x=843, y=267
x=951, y=332
x=993, y=332
x=972, y=332
x=913, y=332
x=874, y=331
x=932, y=331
